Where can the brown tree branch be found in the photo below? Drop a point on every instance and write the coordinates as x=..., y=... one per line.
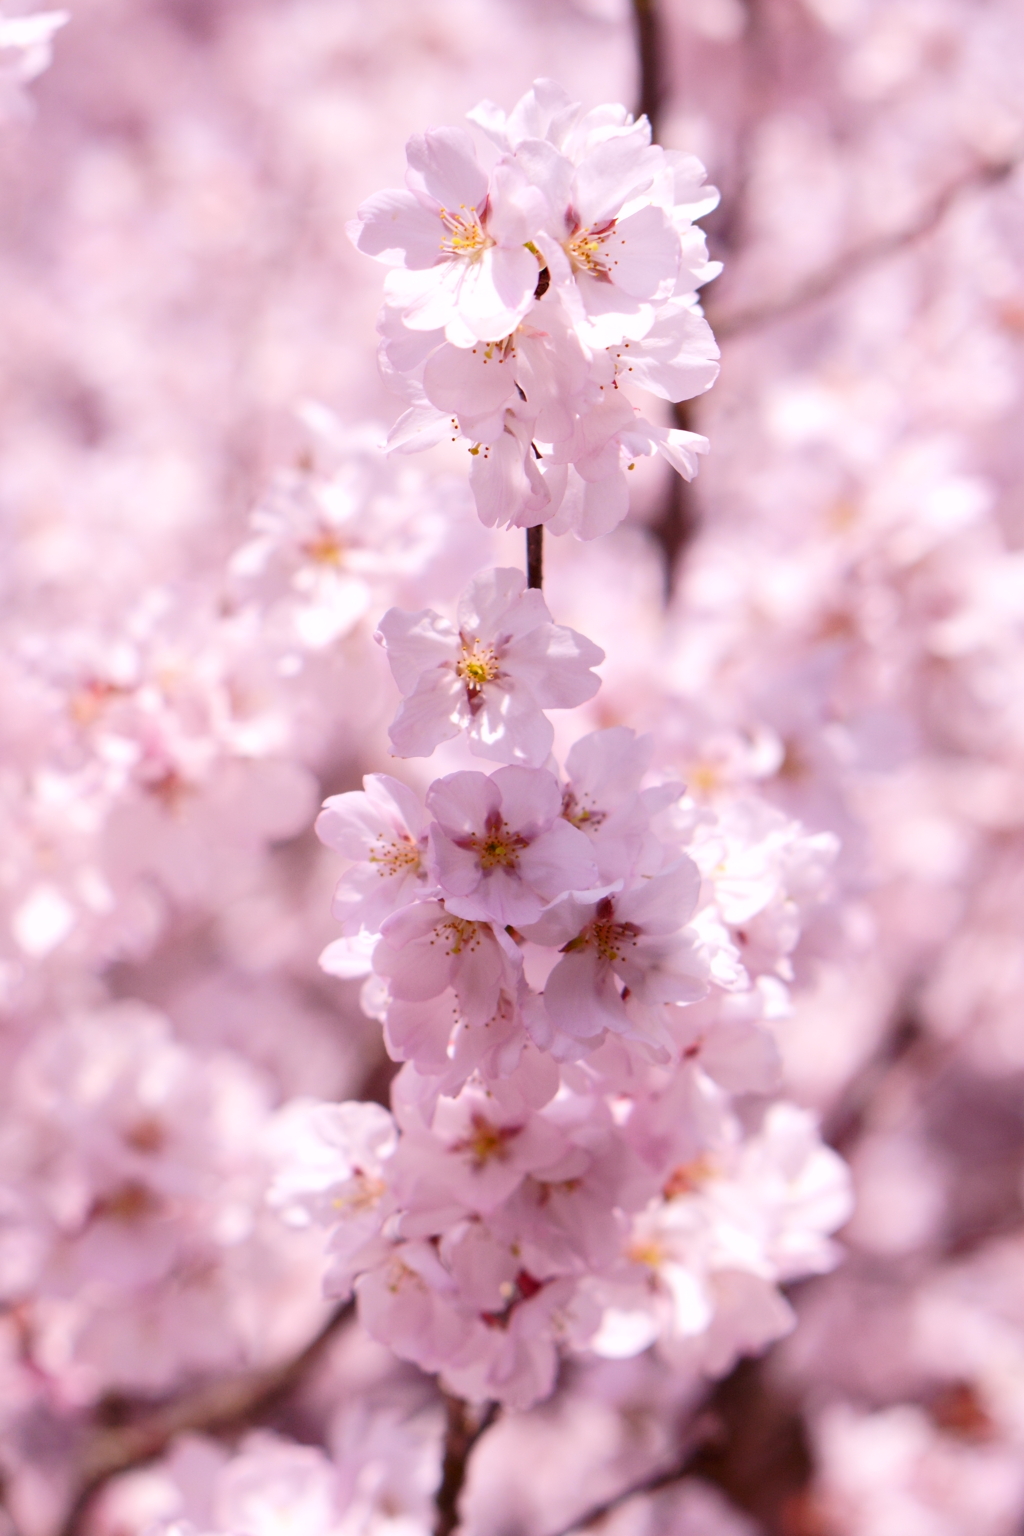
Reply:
x=859, y=258
x=463, y=1430
x=217, y=1407
x=535, y=556
x=650, y=47
x=676, y=523
x=704, y=1431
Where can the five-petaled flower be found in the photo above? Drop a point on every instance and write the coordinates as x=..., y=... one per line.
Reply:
x=491, y=677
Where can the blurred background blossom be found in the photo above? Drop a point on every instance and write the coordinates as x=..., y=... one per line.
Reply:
x=824, y=632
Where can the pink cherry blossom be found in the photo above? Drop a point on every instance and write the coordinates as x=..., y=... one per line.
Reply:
x=491, y=677
x=626, y=943
x=383, y=830
x=603, y=798
x=460, y=236
x=499, y=846
x=823, y=642
x=424, y=949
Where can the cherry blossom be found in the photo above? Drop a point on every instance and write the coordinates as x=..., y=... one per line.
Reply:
x=625, y=944
x=500, y=847
x=462, y=234
x=383, y=830
x=606, y=218
x=424, y=949
x=491, y=677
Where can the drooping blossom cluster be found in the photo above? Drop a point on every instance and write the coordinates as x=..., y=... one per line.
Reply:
x=538, y=271
x=564, y=1169
x=579, y=1174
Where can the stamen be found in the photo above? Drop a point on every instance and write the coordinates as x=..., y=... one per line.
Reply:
x=466, y=236
x=477, y=665
x=397, y=856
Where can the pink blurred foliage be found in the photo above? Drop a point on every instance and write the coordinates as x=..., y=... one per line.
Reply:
x=811, y=751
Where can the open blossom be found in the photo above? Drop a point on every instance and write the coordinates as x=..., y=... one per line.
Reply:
x=499, y=846
x=379, y=1480
x=729, y=1226
x=582, y=1162
x=460, y=236
x=132, y=1232
x=624, y=943
x=424, y=949
x=551, y=428
x=383, y=830
x=491, y=677
x=606, y=219
x=603, y=798
x=615, y=205
x=331, y=1163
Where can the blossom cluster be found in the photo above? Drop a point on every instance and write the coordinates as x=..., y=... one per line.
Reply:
x=576, y=1009
x=538, y=271
x=577, y=1179
x=564, y=1168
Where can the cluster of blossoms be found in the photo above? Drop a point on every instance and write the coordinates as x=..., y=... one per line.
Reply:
x=156, y=750
x=539, y=270
x=564, y=1167
x=134, y=1177
x=617, y=1008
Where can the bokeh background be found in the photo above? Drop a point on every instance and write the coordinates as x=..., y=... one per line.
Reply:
x=831, y=616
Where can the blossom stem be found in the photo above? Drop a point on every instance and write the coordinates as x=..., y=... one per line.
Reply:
x=463, y=1429
x=535, y=556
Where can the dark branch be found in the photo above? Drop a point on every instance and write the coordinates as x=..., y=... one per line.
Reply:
x=846, y=1119
x=462, y=1432
x=535, y=556
x=704, y=1430
x=822, y=284
x=217, y=1407
x=650, y=47
x=676, y=525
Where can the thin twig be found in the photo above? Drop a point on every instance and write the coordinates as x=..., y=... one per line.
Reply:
x=704, y=1429
x=845, y=1122
x=822, y=284
x=678, y=520
x=676, y=523
x=217, y=1407
x=462, y=1431
x=535, y=556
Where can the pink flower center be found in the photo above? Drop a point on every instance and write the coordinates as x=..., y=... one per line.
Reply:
x=458, y=933
x=603, y=933
x=362, y=1193
x=324, y=548
x=499, y=847
x=580, y=814
x=147, y=1135
x=688, y=1177
x=486, y=1142
x=128, y=1203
